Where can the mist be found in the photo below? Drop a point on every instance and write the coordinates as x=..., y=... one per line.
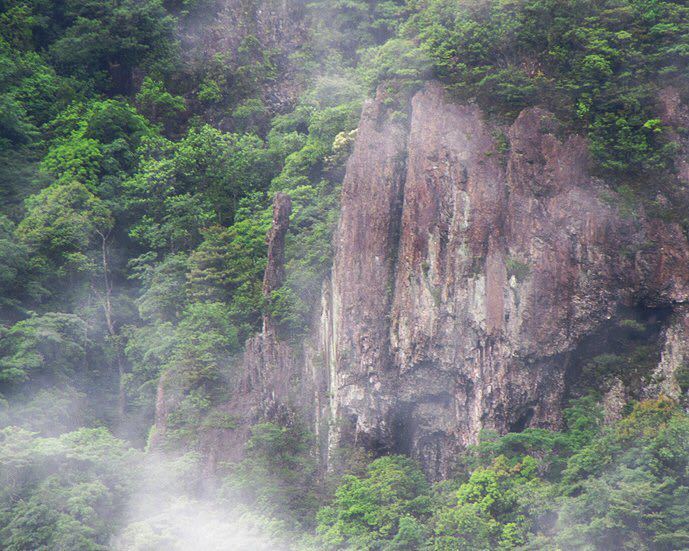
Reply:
x=168, y=511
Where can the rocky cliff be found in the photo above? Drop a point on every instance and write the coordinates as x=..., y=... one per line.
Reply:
x=475, y=265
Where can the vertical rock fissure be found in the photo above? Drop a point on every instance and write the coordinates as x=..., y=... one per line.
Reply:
x=274, y=273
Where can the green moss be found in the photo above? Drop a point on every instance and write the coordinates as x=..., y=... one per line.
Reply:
x=502, y=143
x=632, y=325
x=436, y=294
x=515, y=267
x=628, y=201
x=632, y=367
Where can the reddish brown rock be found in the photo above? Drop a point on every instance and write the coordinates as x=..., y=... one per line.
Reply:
x=363, y=275
x=466, y=276
x=505, y=261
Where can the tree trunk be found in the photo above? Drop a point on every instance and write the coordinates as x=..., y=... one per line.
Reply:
x=112, y=329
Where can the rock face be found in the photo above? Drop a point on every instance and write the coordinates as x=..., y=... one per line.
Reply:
x=236, y=33
x=267, y=362
x=363, y=279
x=471, y=260
x=674, y=357
x=274, y=23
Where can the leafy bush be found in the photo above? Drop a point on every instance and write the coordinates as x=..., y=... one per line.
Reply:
x=379, y=509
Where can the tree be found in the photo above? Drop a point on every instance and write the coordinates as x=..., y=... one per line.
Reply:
x=185, y=187
x=157, y=104
x=68, y=229
x=228, y=265
x=61, y=227
x=62, y=493
x=627, y=490
x=96, y=144
x=12, y=266
x=163, y=296
x=276, y=476
x=491, y=510
x=30, y=95
x=103, y=43
x=197, y=370
x=366, y=512
x=48, y=348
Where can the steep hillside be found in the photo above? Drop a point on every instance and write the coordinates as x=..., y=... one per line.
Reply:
x=344, y=274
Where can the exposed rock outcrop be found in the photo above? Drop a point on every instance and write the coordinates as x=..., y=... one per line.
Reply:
x=471, y=260
x=241, y=33
x=363, y=279
x=465, y=276
x=674, y=357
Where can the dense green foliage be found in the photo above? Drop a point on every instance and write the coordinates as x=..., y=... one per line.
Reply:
x=597, y=65
x=60, y=493
x=138, y=165
x=589, y=487
x=592, y=486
